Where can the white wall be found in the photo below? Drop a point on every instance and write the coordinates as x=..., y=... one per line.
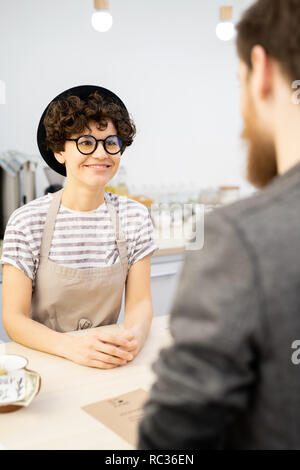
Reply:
x=163, y=59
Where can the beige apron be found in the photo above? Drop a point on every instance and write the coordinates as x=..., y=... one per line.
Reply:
x=68, y=299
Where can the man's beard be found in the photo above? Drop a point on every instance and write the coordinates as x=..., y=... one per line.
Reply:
x=261, y=161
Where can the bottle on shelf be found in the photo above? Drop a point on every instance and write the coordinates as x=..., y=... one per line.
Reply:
x=229, y=194
x=109, y=188
x=121, y=187
x=111, y=185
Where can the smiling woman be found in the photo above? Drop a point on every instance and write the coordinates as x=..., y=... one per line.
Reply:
x=72, y=254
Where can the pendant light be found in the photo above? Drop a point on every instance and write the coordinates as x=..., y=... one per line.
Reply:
x=2, y=92
x=101, y=18
x=225, y=30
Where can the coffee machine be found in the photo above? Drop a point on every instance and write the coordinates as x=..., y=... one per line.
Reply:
x=15, y=191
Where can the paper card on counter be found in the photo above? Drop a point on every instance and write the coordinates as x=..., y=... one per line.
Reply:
x=121, y=414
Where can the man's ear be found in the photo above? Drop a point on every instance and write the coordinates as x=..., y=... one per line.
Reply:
x=262, y=76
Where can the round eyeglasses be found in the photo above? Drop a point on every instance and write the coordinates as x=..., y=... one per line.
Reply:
x=87, y=144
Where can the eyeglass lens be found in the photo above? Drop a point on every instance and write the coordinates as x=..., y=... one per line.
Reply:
x=87, y=144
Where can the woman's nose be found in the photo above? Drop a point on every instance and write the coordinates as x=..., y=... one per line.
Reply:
x=100, y=150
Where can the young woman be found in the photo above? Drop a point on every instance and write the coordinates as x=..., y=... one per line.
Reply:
x=67, y=256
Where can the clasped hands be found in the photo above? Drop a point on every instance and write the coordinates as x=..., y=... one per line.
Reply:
x=103, y=349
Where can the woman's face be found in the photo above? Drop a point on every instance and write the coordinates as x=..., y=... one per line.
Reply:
x=78, y=166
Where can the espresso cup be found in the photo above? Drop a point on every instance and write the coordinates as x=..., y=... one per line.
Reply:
x=12, y=362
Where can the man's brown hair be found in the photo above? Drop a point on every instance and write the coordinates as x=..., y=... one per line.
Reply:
x=275, y=25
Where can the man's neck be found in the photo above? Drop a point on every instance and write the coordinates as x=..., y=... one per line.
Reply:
x=287, y=136
x=286, y=163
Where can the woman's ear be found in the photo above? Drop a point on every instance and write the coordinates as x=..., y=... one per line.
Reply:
x=59, y=157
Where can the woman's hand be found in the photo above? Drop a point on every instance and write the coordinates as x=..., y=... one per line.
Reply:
x=137, y=342
x=102, y=349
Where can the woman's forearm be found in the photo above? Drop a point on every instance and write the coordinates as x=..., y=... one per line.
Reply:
x=138, y=317
x=32, y=334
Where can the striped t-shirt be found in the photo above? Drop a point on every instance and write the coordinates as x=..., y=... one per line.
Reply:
x=80, y=239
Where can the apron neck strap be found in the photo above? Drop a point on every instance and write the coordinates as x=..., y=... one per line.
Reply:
x=120, y=238
x=115, y=218
x=50, y=223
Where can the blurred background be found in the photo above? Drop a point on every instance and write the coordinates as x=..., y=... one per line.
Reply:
x=162, y=57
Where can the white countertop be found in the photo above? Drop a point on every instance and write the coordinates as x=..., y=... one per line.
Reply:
x=55, y=420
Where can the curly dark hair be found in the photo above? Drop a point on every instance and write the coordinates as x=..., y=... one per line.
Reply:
x=72, y=115
x=273, y=24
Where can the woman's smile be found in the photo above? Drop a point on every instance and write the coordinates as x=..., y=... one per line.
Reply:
x=98, y=167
